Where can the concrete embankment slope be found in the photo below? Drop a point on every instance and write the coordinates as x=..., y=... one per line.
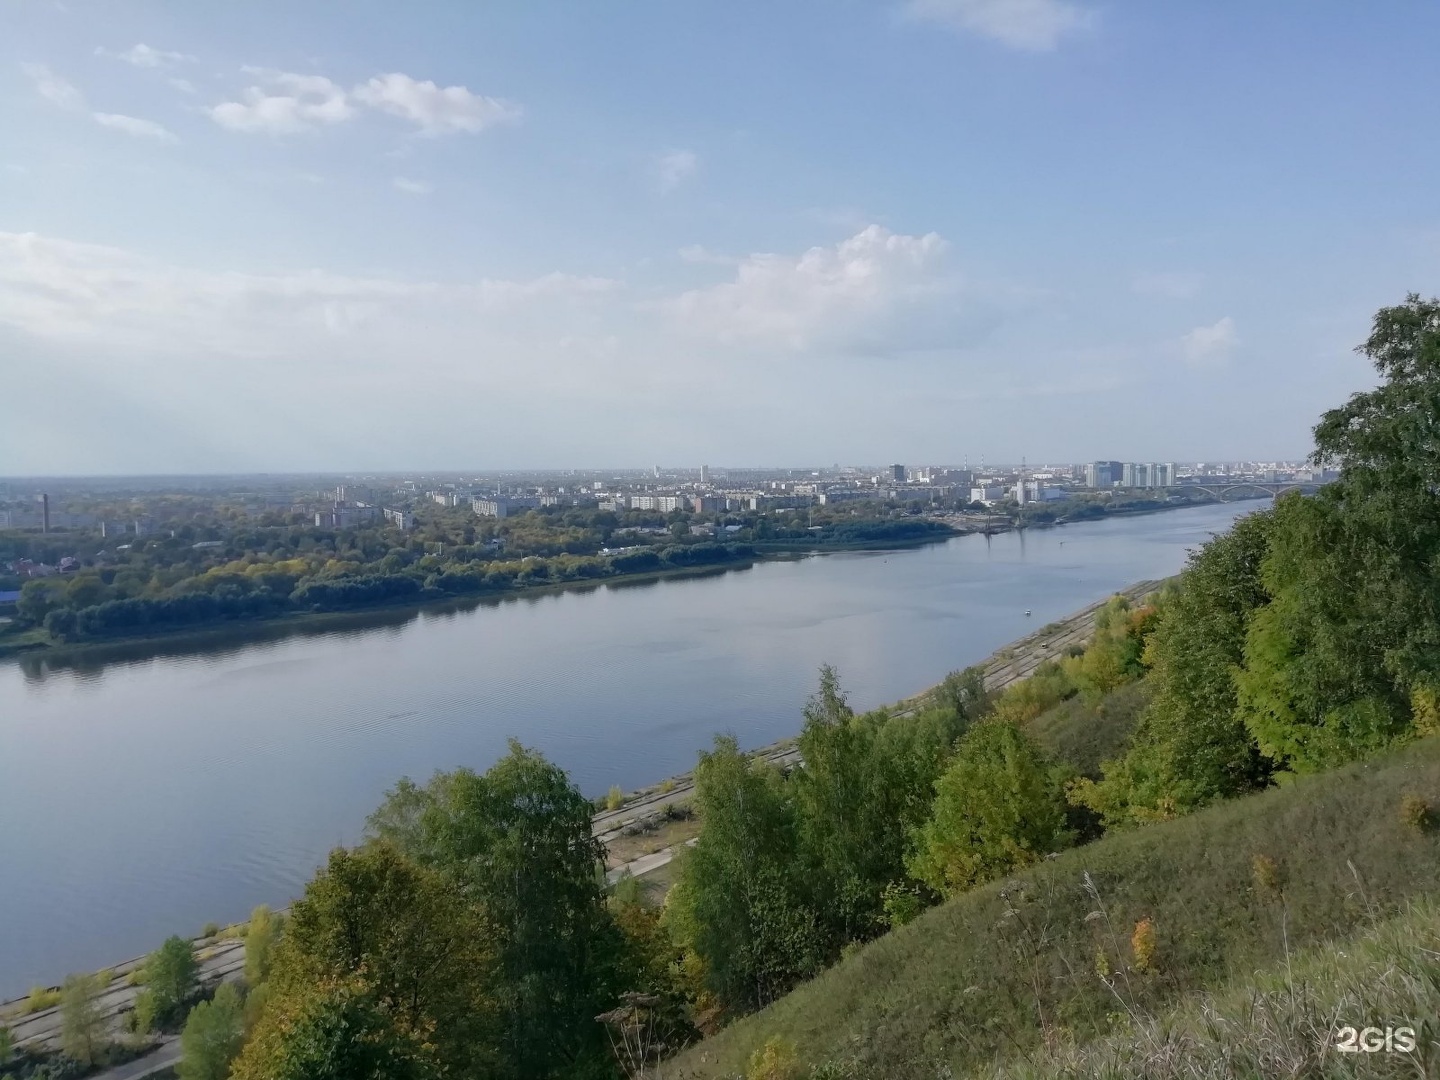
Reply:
x=643, y=810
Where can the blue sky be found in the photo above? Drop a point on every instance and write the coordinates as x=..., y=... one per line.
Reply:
x=314, y=236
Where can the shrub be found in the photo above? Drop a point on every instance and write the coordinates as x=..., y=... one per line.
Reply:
x=1415, y=812
x=614, y=798
x=1266, y=875
x=41, y=998
x=261, y=937
x=210, y=930
x=1143, y=944
x=776, y=1060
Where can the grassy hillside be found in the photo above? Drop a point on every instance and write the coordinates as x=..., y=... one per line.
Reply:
x=1282, y=1022
x=1059, y=952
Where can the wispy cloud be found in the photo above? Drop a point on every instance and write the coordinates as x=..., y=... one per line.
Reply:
x=412, y=187
x=67, y=96
x=435, y=110
x=133, y=125
x=144, y=56
x=53, y=88
x=1209, y=345
x=285, y=103
x=1030, y=25
x=674, y=167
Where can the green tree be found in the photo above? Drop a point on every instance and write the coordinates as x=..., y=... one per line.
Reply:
x=741, y=903
x=864, y=784
x=261, y=937
x=170, y=975
x=7, y=1046
x=334, y=1031
x=418, y=947
x=213, y=1035
x=1191, y=746
x=1352, y=633
x=998, y=807
x=965, y=694
x=1314, y=690
x=518, y=841
x=82, y=1027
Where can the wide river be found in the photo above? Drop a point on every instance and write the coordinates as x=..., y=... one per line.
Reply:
x=145, y=797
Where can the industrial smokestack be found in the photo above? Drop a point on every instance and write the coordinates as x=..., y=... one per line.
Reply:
x=45, y=513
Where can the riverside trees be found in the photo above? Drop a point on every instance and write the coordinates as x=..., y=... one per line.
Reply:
x=1310, y=635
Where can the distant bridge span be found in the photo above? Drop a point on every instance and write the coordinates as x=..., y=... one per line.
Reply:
x=1227, y=491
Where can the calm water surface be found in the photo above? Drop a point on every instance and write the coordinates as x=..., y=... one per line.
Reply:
x=148, y=797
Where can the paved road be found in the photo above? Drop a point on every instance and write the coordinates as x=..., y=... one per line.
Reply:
x=166, y=1055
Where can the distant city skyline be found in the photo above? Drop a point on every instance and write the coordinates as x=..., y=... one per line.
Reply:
x=276, y=237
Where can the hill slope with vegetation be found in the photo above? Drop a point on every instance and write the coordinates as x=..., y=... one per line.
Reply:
x=1292, y=651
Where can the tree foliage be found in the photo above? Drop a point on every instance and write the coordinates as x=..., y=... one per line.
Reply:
x=999, y=806
x=397, y=938
x=517, y=842
x=82, y=1027
x=213, y=1035
x=742, y=904
x=170, y=976
x=1192, y=747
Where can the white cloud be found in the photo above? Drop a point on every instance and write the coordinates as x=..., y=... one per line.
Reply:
x=133, y=125
x=433, y=109
x=1175, y=286
x=67, y=291
x=283, y=104
x=674, y=167
x=185, y=86
x=412, y=187
x=1208, y=345
x=144, y=56
x=877, y=292
x=1031, y=25
x=53, y=88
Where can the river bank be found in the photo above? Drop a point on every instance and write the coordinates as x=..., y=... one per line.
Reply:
x=39, y=647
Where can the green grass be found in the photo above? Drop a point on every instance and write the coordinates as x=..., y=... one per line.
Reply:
x=1086, y=735
x=996, y=973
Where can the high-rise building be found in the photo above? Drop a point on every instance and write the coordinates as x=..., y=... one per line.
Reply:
x=704, y=474
x=897, y=473
x=1167, y=475
x=1127, y=475
x=1103, y=474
